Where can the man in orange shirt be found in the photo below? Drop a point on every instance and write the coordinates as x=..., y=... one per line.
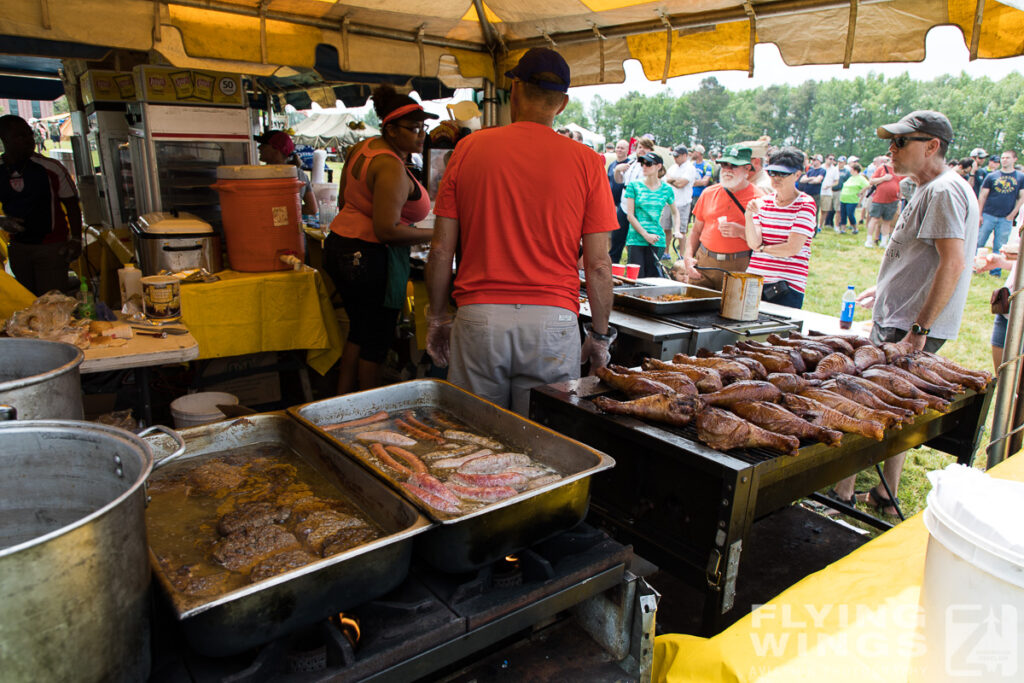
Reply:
x=717, y=239
x=519, y=225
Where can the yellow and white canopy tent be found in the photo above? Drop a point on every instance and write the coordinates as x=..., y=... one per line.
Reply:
x=467, y=42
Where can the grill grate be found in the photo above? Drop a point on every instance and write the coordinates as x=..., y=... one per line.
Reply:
x=697, y=319
x=752, y=456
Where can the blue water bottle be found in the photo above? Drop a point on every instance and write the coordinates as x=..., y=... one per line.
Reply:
x=849, y=301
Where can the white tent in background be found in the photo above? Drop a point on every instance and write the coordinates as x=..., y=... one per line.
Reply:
x=595, y=140
x=331, y=130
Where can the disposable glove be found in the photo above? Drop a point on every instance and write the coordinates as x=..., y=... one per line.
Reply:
x=595, y=350
x=439, y=332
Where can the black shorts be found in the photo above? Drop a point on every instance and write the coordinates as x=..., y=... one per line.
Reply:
x=360, y=271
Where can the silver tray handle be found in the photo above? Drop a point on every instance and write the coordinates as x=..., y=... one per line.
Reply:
x=171, y=433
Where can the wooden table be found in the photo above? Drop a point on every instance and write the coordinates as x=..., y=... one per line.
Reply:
x=140, y=354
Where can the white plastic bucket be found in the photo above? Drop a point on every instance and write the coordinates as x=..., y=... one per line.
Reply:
x=972, y=595
x=191, y=410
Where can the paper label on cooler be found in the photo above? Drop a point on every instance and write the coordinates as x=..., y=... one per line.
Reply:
x=280, y=216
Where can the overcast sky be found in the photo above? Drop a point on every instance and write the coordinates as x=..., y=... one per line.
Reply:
x=945, y=53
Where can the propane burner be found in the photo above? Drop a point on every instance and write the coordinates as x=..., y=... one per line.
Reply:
x=507, y=573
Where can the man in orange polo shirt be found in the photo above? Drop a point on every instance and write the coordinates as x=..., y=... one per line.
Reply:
x=519, y=223
x=717, y=238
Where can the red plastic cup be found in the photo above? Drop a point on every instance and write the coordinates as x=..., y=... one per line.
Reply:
x=618, y=269
x=633, y=271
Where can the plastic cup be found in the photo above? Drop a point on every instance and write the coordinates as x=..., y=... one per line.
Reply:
x=633, y=271
x=618, y=269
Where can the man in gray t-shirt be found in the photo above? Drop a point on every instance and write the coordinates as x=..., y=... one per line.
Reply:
x=923, y=281
x=924, y=278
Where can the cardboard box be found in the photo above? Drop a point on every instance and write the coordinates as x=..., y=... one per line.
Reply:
x=172, y=85
x=98, y=85
x=252, y=387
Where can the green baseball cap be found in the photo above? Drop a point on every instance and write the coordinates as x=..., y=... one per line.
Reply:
x=737, y=155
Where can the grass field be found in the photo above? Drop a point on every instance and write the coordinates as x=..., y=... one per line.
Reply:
x=841, y=260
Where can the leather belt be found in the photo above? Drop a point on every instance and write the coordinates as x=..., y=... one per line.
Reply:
x=724, y=257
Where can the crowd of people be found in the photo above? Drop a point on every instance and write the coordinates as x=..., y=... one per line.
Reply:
x=840, y=193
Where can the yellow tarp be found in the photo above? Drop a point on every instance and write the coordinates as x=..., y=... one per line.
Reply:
x=853, y=621
x=706, y=34
x=247, y=313
x=13, y=296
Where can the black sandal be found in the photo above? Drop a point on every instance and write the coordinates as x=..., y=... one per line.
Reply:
x=851, y=501
x=882, y=503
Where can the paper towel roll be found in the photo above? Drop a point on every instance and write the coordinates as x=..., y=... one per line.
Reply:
x=319, y=157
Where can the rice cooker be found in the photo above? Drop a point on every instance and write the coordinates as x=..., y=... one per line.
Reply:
x=175, y=241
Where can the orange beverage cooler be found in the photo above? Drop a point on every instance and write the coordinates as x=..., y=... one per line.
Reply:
x=262, y=215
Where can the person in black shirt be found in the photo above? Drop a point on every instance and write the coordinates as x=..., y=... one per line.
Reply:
x=41, y=212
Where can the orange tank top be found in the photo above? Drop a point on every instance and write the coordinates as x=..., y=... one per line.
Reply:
x=356, y=218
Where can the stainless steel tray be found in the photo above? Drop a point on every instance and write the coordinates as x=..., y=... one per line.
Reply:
x=465, y=542
x=261, y=612
x=704, y=299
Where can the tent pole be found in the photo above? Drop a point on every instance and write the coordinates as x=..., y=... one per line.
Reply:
x=490, y=119
x=1008, y=376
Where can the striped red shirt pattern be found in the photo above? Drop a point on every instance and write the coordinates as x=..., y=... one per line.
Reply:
x=776, y=223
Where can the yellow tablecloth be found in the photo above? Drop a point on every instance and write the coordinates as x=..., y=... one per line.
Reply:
x=13, y=295
x=855, y=620
x=253, y=312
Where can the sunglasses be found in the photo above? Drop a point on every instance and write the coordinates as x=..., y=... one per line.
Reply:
x=900, y=141
x=645, y=162
x=418, y=129
x=778, y=174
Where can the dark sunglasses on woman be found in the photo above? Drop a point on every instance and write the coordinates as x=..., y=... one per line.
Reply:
x=779, y=174
x=645, y=162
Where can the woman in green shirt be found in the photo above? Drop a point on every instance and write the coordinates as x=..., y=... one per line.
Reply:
x=850, y=196
x=645, y=200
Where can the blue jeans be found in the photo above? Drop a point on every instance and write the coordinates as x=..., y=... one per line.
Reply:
x=847, y=214
x=999, y=228
x=619, y=236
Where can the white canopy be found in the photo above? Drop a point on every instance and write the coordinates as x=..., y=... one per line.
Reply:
x=332, y=130
x=589, y=136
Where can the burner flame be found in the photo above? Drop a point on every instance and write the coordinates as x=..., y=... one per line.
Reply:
x=349, y=627
x=511, y=558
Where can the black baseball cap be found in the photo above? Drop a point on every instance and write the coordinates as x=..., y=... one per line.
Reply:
x=925, y=121
x=653, y=158
x=680, y=149
x=538, y=60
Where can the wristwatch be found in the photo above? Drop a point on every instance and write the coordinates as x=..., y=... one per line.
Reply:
x=920, y=331
x=760, y=248
x=609, y=337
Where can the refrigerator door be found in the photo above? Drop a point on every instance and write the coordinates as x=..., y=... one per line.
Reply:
x=186, y=145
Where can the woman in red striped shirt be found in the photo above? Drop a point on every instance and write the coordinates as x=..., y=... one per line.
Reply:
x=779, y=231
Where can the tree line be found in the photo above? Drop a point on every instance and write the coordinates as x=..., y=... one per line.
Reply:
x=838, y=116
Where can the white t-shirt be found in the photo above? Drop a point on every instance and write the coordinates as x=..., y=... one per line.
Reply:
x=634, y=172
x=685, y=195
x=831, y=178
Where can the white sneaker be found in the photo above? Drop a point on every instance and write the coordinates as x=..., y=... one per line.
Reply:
x=869, y=243
x=884, y=242
x=836, y=230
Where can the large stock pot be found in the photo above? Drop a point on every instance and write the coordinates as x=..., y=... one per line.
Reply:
x=74, y=565
x=41, y=379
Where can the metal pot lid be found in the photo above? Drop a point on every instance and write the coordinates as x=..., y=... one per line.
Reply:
x=167, y=223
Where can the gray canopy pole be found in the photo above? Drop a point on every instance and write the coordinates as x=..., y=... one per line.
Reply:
x=1008, y=376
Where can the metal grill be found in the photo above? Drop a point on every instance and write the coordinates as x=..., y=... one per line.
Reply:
x=690, y=508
